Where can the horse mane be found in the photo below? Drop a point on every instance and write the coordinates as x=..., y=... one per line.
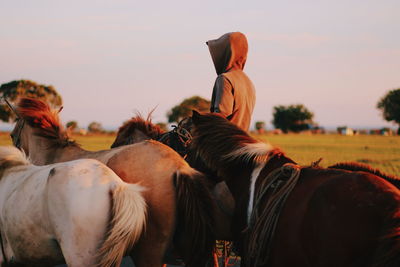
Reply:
x=44, y=121
x=145, y=126
x=356, y=166
x=11, y=157
x=226, y=143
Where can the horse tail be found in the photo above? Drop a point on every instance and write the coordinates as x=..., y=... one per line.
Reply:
x=127, y=222
x=195, y=217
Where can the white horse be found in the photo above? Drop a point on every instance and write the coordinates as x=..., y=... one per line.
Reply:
x=78, y=212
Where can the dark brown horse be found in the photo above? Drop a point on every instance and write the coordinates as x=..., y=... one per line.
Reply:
x=299, y=216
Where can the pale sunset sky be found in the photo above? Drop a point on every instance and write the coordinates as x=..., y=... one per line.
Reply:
x=109, y=59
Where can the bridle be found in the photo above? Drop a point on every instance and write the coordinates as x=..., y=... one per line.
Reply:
x=179, y=138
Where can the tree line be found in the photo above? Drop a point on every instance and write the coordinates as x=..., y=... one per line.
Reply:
x=291, y=118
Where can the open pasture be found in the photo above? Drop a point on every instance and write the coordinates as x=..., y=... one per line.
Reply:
x=381, y=152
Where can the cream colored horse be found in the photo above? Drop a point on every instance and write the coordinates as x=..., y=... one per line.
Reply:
x=176, y=195
x=79, y=212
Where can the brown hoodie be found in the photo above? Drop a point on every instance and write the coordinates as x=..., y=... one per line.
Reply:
x=233, y=91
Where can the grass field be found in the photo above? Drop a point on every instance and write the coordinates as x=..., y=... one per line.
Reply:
x=381, y=152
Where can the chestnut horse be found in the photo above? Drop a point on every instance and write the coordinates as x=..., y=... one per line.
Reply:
x=299, y=216
x=62, y=213
x=175, y=195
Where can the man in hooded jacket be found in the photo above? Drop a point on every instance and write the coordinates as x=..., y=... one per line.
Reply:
x=233, y=91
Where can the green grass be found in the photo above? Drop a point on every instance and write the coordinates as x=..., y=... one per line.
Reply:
x=5, y=139
x=381, y=152
x=95, y=142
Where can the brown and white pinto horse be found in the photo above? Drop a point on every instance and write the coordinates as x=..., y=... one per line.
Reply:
x=175, y=195
x=329, y=217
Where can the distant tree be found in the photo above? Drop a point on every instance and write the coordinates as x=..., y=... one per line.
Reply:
x=184, y=109
x=12, y=90
x=293, y=118
x=260, y=127
x=389, y=104
x=72, y=125
x=162, y=125
x=95, y=127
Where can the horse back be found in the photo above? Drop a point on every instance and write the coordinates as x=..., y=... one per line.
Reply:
x=333, y=215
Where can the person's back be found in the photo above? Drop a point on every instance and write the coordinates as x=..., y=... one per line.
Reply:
x=233, y=91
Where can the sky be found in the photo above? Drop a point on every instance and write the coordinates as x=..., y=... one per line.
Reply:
x=110, y=59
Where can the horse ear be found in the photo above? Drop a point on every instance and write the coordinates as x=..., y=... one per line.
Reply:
x=229, y=117
x=12, y=108
x=195, y=115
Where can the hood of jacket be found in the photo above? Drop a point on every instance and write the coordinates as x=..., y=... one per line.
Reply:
x=228, y=52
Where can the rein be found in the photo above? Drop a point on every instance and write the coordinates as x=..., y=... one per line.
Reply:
x=268, y=204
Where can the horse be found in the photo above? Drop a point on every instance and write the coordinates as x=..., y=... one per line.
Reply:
x=138, y=129
x=291, y=215
x=176, y=195
x=78, y=212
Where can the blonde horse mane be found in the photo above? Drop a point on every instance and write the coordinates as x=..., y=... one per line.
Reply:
x=11, y=157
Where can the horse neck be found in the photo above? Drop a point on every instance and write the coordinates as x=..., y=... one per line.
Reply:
x=237, y=183
x=69, y=152
x=243, y=185
x=39, y=149
x=276, y=160
x=43, y=152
